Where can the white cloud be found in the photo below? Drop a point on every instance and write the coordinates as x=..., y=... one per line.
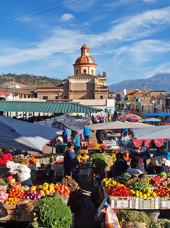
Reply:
x=87, y=24
x=119, y=3
x=167, y=71
x=79, y=5
x=149, y=1
x=66, y=17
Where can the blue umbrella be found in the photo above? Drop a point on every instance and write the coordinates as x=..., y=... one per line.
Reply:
x=157, y=114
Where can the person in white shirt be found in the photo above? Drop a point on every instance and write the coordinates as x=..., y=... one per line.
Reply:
x=124, y=140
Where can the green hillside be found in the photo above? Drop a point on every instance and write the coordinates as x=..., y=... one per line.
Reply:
x=28, y=79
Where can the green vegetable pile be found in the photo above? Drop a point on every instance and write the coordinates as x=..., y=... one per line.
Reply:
x=99, y=162
x=138, y=186
x=3, y=183
x=124, y=177
x=125, y=216
x=51, y=213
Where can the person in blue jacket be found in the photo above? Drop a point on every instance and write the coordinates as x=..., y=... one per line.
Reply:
x=71, y=164
x=86, y=133
x=77, y=142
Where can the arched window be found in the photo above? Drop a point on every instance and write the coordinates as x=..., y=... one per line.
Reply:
x=84, y=71
x=91, y=72
x=77, y=72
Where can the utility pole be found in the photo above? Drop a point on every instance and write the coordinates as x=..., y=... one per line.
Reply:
x=144, y=99
x=13, y=88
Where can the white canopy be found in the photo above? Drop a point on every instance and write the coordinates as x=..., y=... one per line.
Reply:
x=25, y=136
x=150, y=135
x=117, y=125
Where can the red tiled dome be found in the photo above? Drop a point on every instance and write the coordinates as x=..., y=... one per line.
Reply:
x=84, y=59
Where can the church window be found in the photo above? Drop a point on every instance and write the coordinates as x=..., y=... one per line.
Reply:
x=65, y=97
x=77, y=72
x=82, y=51
x=84, y=71
x=45, y=97
x=87, y=51
x=101, y=97
x=91, y=72
x=56, y=97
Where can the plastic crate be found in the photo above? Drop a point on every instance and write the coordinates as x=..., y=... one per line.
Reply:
x=146, y=203
x=121, y=202
x=57, y=167
x=164, y=203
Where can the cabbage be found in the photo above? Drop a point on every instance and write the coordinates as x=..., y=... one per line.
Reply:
x=163, y=174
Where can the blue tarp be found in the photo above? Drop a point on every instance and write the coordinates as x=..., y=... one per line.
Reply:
x=23, y=135
x=74, y=123
x=157, y=114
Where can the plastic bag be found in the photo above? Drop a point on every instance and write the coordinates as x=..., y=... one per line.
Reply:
x=153, y=215
x=111, y=220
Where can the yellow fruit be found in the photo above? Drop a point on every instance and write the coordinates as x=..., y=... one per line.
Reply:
x=42, y=192
x=148, y=194
x=33, y=188
x=46, y=192
x=144, y=195
x=154, y=194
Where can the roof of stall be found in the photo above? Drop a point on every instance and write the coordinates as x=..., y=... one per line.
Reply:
x=117, y=125
x=47, y=106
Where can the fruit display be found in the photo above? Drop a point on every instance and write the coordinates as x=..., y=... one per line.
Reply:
x=31, y=160
x=92, y=144
x=85, y=161
x=19, y=159
x=144, y=186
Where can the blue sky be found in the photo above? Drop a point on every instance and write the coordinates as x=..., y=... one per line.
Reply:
x=128, y=39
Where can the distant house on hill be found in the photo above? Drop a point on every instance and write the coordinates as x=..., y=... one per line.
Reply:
x=12, y=84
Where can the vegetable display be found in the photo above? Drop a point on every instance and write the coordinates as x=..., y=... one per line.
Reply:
x=99, y=162
x=51, y=213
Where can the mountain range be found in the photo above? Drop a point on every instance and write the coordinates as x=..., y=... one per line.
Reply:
x=159, y=82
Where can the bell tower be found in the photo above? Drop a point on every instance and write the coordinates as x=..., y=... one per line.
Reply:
x=85, y=64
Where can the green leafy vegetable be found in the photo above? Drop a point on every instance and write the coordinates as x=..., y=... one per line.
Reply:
x=51, y=213
x=99, y=162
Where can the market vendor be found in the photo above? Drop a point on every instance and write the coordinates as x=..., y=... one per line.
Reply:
x=139, y=155
x=161, y=160
x=77, y=142
x=119, y=167
x=124, y=139
x=71, y=164
x=60, y=146
x=101, y=135
x=87, y=132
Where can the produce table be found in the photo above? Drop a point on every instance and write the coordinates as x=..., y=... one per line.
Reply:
x=123, y=196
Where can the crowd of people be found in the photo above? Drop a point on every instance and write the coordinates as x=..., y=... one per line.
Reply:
x=139, y=157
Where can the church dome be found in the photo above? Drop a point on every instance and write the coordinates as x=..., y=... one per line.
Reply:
x=84, y=59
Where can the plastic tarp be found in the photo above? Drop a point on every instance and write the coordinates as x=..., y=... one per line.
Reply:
x=25, y=136
x=166, y=120
x=151, y=120
x=117, y=125
x=157, y=114
x=150, y=135
x=74, y=123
